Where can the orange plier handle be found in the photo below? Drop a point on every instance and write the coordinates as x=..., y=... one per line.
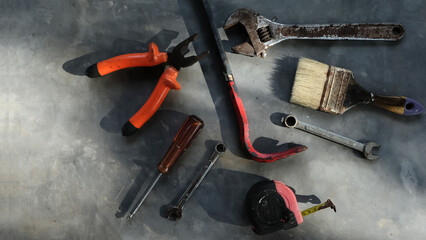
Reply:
x=151, y=58
x=167, y=81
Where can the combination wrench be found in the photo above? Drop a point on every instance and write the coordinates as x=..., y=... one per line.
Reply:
x=175, y=212
x=366, y=148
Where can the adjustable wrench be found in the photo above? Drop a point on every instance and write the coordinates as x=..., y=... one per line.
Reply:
x=291, y=122
x=175, y=212
x=264, y=33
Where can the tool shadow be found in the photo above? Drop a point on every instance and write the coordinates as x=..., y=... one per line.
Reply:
x=283, y=77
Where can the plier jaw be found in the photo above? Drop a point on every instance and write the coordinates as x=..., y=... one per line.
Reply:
x=177, y=57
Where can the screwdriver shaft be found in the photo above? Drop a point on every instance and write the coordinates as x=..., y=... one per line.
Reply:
x=143, y=197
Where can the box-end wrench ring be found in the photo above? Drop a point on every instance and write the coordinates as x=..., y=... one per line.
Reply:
x=367, y=148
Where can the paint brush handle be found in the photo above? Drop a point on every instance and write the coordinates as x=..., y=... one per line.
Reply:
x=398, y=104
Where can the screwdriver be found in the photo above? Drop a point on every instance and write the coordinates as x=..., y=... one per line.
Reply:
x=189, y=130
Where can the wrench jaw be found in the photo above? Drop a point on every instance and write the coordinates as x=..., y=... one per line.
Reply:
x=368, y=149
x=250, y=20
x=244, y=49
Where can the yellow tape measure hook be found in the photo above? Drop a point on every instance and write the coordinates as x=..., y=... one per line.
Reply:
x=327, y=204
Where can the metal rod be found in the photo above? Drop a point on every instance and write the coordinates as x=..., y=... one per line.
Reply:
x=176, y=211
x=218, y=151
x=143, y=197
x=225, y=62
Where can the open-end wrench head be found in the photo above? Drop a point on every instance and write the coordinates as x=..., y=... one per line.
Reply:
x=174, y=213
x=368, y=149
x=249, y=19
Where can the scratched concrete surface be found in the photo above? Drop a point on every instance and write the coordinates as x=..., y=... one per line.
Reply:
x=67, y=173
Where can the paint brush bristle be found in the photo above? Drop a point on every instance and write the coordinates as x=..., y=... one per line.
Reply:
x=311, y=77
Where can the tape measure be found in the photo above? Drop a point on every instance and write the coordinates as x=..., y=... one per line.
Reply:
x=272, y=206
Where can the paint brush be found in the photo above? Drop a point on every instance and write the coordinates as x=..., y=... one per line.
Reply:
x=332, y=89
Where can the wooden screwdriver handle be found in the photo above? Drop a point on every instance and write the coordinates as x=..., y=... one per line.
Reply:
x=189, y=130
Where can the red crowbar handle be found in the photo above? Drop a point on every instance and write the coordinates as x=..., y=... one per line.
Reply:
x=153, y=57
x=238, y=104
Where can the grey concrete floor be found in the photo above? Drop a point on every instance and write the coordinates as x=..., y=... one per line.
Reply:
x=67, y=173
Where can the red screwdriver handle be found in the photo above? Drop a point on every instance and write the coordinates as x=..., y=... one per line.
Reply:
x=167, y=81
x=151, y=58
x=189, y=130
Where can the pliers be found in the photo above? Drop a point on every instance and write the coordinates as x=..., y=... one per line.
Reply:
x=175, y=60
